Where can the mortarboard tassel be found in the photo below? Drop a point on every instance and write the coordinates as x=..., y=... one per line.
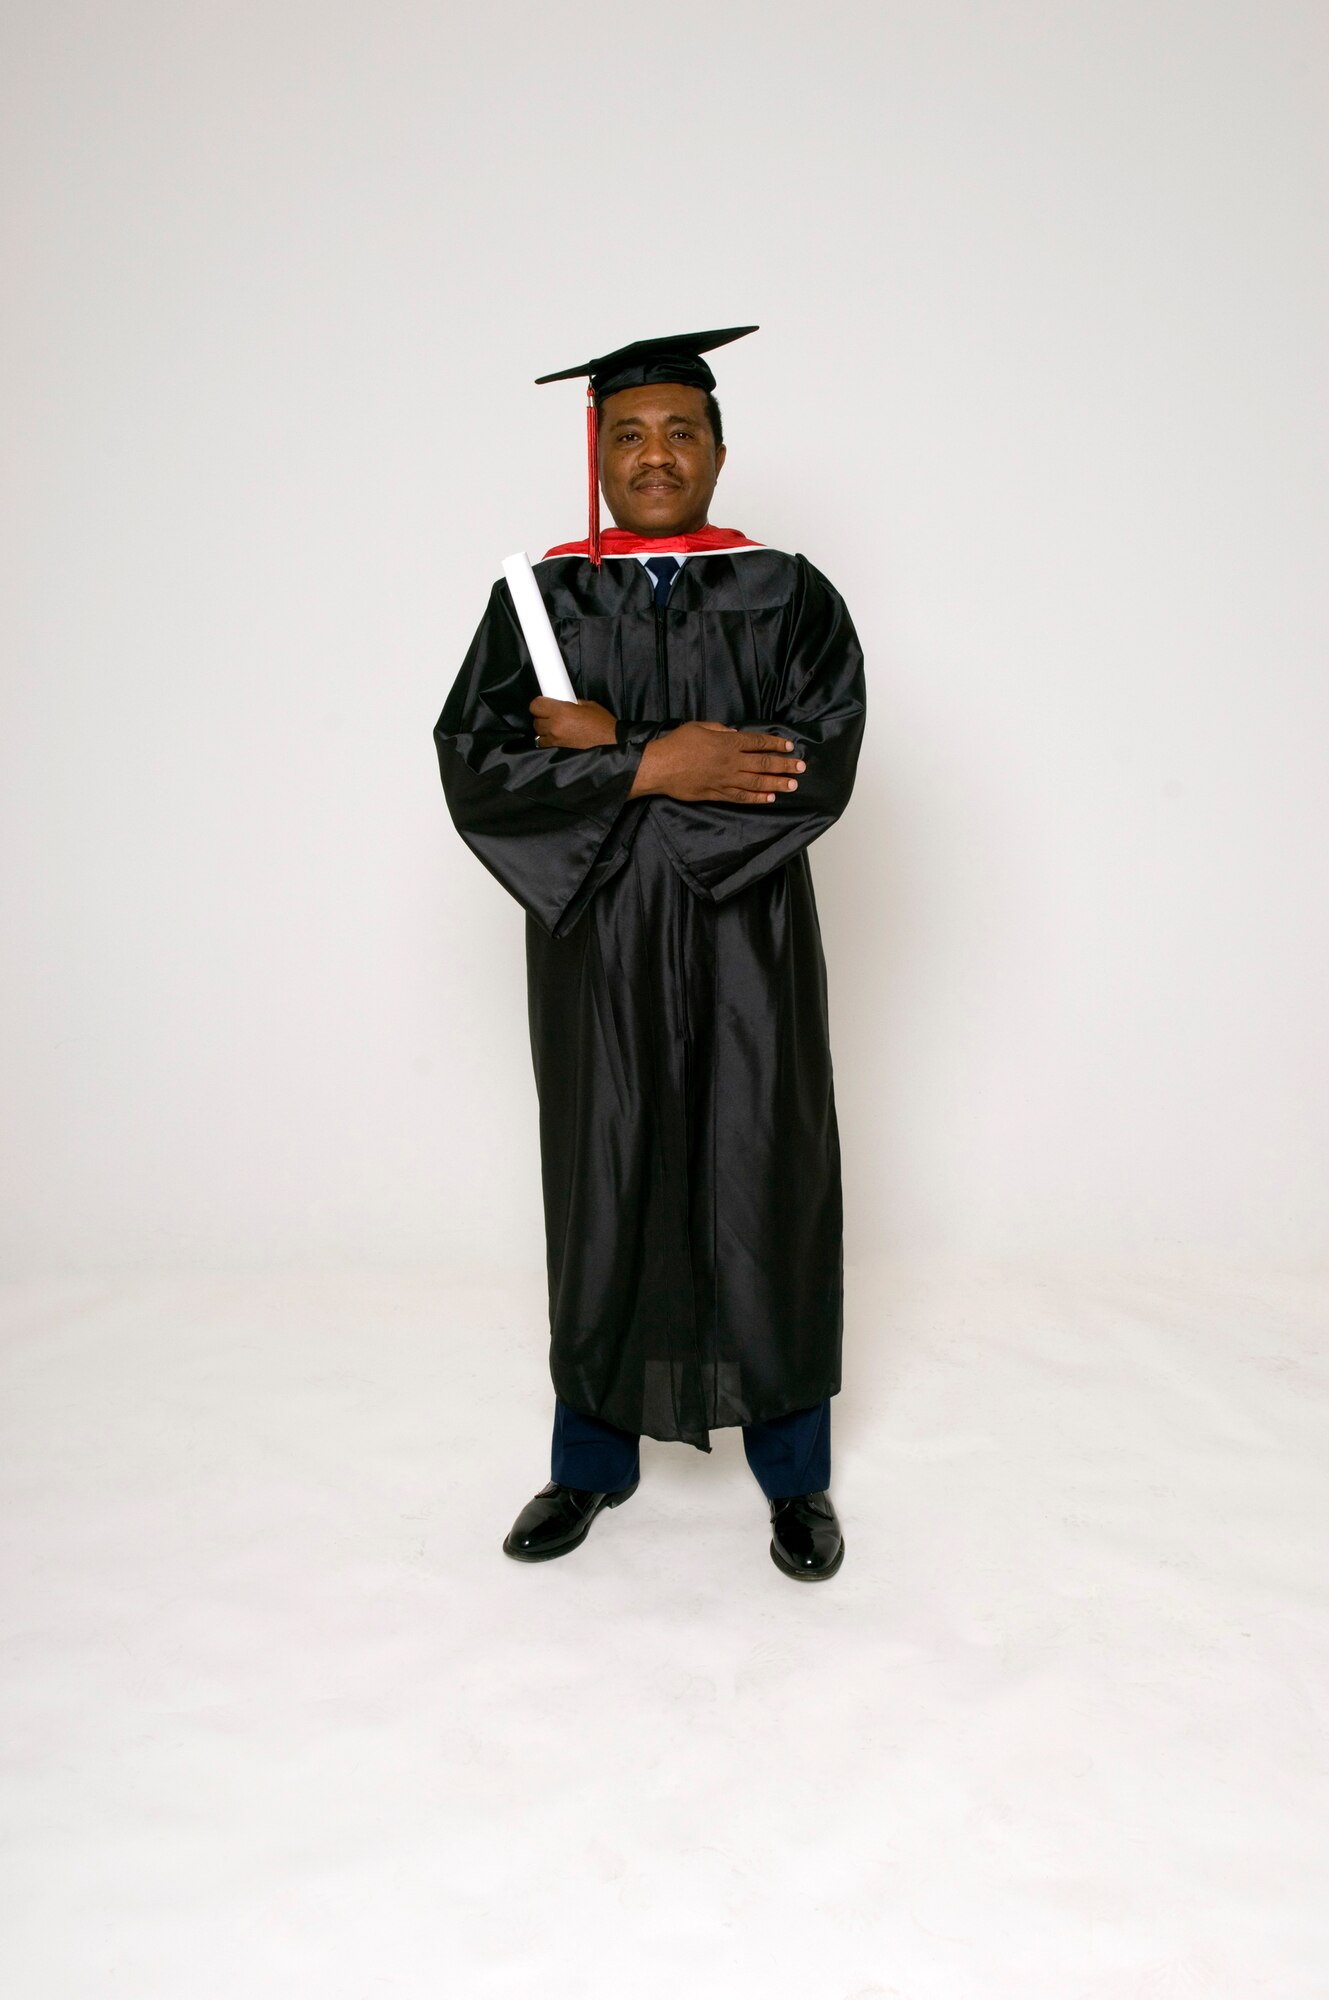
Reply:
x=593, y=476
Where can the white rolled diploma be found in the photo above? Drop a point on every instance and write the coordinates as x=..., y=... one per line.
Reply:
x=536, y=628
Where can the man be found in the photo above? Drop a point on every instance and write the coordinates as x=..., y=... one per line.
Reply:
x=655, y=831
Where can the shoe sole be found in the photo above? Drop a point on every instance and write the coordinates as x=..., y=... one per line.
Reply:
x=808, y=1575
x=566, y=1548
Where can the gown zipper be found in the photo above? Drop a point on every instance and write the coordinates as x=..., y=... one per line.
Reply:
x=662, y=697
x=661, y=671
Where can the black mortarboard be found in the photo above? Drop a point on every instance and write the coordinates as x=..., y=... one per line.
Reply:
x=674, y=357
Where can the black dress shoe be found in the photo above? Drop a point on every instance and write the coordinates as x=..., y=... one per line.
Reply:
x=558, y=1520
x=806, y=1541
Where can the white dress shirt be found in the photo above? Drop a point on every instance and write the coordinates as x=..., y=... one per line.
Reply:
x=679, y=557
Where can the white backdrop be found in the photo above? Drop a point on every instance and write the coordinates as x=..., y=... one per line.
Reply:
x=1040, y=384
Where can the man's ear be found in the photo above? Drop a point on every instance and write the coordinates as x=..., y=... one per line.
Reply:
x=720, y=457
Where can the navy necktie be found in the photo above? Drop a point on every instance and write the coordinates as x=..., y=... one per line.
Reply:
x=664, y=569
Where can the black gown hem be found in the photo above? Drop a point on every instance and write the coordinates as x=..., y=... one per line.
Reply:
x=701, y=1439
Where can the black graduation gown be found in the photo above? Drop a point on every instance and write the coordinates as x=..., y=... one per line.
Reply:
x=676, y=983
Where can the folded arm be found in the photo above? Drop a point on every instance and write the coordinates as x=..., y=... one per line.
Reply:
x=819, y=705
x=548, y=820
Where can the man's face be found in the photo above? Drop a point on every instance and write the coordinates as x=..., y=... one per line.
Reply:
x=658, y=458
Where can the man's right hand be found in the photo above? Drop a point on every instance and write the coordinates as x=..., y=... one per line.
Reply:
x=714, y=760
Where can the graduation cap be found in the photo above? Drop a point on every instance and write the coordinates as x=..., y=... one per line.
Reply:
x=674, y=357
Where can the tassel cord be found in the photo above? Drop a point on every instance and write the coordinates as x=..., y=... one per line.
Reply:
x=592, y=477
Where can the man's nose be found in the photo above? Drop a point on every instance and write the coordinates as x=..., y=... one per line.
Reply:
x=657, y=451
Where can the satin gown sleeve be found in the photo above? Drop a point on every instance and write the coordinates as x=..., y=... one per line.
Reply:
x=819, y=701
x=550, y=823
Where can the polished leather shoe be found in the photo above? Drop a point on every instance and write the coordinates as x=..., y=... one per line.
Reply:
x=558, y=1520
x=806, y=1541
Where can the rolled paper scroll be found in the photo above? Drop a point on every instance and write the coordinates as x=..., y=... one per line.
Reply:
x=536, y=628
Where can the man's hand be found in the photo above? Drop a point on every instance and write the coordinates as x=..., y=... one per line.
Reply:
x=571, y=725
x=713, y=760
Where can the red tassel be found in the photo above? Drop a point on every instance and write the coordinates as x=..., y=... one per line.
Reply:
x=593, y=476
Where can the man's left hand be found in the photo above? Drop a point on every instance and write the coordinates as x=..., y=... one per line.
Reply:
x=571, y=725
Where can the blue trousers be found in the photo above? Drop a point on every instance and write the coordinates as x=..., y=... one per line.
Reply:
x=788, y=1455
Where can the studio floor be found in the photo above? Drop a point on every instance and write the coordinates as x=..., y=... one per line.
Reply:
x=281, y=1720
